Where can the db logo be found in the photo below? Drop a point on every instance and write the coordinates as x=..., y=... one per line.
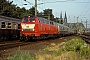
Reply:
x=27, y=26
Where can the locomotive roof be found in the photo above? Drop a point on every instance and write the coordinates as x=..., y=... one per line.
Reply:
x=4, y=18
x=43, y=19
x=50, y=20
x=40, y=18
x=74, y=25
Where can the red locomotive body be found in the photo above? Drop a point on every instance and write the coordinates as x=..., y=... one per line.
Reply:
x=37, y=27
x=29, y=26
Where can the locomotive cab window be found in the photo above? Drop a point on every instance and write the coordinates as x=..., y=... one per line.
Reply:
x=28, y=19
x=3, y=25
x=32, y=20
x=25, y=19
x=9, y=25
x=39, y=21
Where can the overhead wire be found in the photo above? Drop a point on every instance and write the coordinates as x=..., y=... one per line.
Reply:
x=59, y=2
x=84, y=10
x=84, y=14
x=21, y=3
x=53, y=2
x=42, y=5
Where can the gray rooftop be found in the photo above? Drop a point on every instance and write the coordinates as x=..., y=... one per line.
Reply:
x=75, y=25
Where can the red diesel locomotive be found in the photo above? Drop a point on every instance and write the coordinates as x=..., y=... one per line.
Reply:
x=40, y=28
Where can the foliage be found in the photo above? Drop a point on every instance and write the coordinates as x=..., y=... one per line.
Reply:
x=10, y=10
x=76, y=45
x=75, y=49
x=48, y=14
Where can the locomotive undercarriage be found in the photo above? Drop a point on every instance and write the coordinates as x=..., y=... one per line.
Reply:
x=7, y=37
x=35, y=38
x=32, y=37
x=8, y=34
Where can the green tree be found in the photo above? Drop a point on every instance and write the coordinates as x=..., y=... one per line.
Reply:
x=41, y=14
x=48, y=14
x=11, y=10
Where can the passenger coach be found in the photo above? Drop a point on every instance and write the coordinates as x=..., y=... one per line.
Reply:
x=9, y=28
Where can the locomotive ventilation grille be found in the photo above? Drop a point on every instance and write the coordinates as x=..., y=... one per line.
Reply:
x=27, y=30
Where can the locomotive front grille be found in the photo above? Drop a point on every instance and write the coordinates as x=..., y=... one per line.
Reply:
x=28, y=30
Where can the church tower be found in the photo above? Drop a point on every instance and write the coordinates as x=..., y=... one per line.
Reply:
x=61, y=19
x=65, y=18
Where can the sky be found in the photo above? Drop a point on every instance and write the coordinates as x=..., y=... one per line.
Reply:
x=73, y=8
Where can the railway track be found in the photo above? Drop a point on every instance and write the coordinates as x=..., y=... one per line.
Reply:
x=11, y=45
x=16, y=44
x=8, y=42
x=86, y=38
x=32, y=47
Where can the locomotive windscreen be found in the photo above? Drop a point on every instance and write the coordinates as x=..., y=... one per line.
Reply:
x=25, y=19
x=28, y=19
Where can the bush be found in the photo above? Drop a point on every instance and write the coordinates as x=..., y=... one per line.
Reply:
x=76, y=45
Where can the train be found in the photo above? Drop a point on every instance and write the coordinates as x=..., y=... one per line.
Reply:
x=37, y=28
x=31, y=28
x=9, y=28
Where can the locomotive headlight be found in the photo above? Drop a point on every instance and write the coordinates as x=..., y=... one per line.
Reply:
x=22, y=29
x=33, y=29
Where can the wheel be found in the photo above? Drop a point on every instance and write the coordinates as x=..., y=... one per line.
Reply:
x=1, y=38
x=21, y=38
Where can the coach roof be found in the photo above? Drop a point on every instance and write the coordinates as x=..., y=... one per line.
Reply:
x=9, y=18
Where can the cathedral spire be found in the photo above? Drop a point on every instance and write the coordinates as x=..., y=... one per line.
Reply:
x=65, y=18
x=61, y=15
x=61, y=19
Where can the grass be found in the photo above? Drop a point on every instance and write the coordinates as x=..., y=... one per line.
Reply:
x=76, y=45
x=74, y=49
x=21, y=56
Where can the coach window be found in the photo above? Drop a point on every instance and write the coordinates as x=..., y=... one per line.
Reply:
x=62, y=28
x=43, y=21
x=9, y=25
x=51, y=23
x=3, y=25
x=47, y=22
x=18, y=26
x=14, y=26
x=54, y=24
